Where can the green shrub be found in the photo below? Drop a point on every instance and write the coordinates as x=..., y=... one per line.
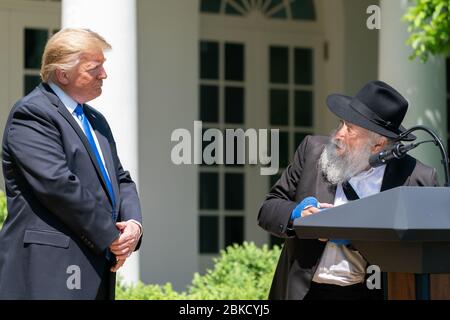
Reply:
x=241, y=272
x=429, y=25
x=141, y=291
x=2, y=208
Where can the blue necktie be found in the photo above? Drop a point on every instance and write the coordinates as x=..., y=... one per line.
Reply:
x=87, y=131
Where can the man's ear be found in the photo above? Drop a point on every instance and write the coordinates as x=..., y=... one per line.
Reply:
x=379, y=145
x=62, y=77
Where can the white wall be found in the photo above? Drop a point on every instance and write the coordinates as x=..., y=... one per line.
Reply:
x=352, y=52
x=361, y=46
x=334, y=66
x=168, y=84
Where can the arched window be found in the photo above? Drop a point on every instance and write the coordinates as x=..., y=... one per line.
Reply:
x=273, y=9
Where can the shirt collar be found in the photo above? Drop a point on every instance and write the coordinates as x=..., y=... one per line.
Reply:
x=378, y=171
x=368, y=182
x=68, y=102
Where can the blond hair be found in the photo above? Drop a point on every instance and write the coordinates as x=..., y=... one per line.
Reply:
x=64, y=49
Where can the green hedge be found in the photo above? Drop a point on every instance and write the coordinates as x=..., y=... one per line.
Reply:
x=241, y=272
x=2, y=208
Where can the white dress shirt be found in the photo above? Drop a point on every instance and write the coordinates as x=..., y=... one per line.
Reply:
x=340, y=265
x=71, y=104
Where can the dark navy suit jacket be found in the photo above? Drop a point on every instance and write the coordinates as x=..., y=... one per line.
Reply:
x=59, y=210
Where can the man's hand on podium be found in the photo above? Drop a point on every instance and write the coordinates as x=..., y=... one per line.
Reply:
x=312, y=210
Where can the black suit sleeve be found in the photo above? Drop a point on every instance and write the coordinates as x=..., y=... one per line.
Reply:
x=275, y=212
x=36, y=146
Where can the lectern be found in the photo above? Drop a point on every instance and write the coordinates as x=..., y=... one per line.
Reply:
x=405, y=229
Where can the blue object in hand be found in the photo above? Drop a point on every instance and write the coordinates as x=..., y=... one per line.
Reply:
x=312, y=202
x=305, y=203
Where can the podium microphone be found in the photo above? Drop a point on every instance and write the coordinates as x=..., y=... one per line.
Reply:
x=397, y=151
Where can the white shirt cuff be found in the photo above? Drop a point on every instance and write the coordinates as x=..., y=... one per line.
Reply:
x=138, y=223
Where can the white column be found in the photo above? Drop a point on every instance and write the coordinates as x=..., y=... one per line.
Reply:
x=422, y=84
x=168, y=36
x=115, y=20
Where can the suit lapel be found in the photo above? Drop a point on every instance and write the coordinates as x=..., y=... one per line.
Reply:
x=395, y=175
x=45, y=88
x=388, y=178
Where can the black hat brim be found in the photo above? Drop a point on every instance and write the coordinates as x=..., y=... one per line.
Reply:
x=340, y=106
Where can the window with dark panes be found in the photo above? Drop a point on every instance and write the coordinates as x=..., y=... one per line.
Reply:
x=234, y=191
x=35, y=40
x=234, y=61
x=303, y=105
x=279, y=107
x=234, y=230
x=209, y=103
x=290, y=94
x=234, y=105
x=291, y=101
x=209, y=55
x=34, y=44
x=209, y=234
x=210, y=6
x=279, y=65
x=222, y=106
x=209, y=190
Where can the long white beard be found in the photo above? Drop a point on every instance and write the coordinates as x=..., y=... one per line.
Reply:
x=339, y=168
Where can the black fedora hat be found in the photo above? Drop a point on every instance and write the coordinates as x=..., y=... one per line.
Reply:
x=376, y=107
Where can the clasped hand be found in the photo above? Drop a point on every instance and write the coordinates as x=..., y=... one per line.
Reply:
x=125, y=244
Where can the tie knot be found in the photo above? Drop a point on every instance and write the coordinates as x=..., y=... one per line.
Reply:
x=79, y=111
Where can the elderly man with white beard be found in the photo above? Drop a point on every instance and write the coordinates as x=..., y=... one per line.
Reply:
x=336, y=170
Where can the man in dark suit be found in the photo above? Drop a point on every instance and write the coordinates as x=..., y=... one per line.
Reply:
x=73, y=211
x=336, y=170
